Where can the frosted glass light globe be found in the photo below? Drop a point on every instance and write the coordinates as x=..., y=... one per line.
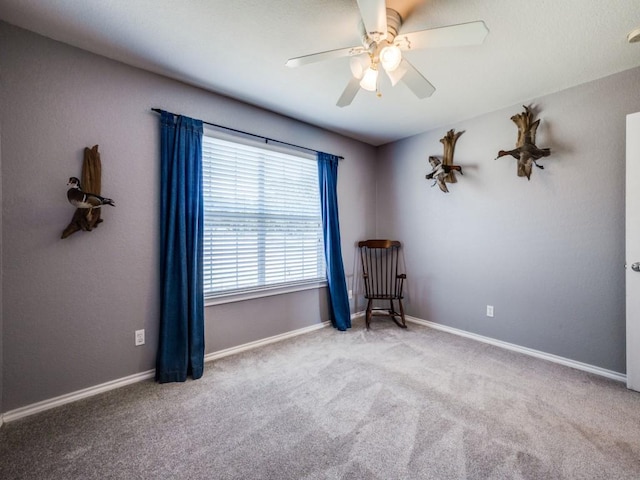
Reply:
x=370, y=79
x=390, y=57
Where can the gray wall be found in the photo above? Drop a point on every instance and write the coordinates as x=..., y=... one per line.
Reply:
x=71, y=306
x=547, y=254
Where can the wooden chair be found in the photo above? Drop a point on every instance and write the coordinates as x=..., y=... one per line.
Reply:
x=380, y=266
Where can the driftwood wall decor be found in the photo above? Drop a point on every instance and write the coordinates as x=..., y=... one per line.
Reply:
x=444, y=171
x=87, y=215
x=526, y=151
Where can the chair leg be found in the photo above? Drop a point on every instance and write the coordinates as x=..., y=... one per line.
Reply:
x=404, y=324
x=368, y=314
x=393, y=314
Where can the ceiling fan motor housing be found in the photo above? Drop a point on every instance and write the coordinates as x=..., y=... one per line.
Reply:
x=394, y=22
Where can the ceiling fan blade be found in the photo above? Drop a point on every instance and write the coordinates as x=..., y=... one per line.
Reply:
x=328, y=55
x=349, y=92
x=413, y=79
x=472, y=33
x=374, y=17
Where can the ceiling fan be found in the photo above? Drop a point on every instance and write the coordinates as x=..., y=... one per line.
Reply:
x=382, y=46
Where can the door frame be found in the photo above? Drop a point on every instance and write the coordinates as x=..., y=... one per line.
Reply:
x=632, y=249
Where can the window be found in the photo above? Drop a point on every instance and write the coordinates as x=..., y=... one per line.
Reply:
x=262, y=219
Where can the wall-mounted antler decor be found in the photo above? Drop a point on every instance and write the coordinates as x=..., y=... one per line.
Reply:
x=526, y=151
x=444, y=171
x=87, y=214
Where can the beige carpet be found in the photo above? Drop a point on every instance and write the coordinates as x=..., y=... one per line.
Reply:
x=380, y=404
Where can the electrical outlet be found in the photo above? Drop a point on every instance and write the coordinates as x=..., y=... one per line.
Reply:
x=489, y=310
x=350, y=294
x=139, y=337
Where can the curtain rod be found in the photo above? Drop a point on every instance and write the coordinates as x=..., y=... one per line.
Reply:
x=266, y=139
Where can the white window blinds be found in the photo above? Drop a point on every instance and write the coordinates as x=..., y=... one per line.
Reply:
x=263, y=226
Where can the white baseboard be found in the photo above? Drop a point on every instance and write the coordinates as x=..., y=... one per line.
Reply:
x=265, y=341
x=38, y=407
x=620, y=377
x=139, y=377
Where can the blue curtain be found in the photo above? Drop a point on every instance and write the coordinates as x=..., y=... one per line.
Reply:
x=339, y=299
x=181, y=343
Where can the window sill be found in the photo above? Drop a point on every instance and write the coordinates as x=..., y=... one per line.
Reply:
x=266, y=292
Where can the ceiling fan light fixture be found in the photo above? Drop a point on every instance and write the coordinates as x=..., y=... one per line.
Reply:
x=396, y=75
x=358, y=66
x=390, y=57
x=370, y=79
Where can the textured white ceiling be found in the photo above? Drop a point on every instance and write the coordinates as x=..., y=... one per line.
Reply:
x=239, y=48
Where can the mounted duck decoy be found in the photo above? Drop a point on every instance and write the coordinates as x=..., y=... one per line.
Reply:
x=526, y=151
x=80, y=199
x=440, y=172
x=443, y=171
x=86, y=216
